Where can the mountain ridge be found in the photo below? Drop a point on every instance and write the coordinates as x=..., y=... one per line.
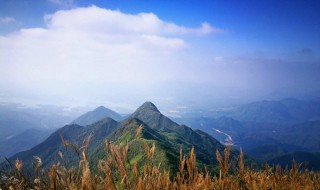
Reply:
x=95, y=115
x=285, y=111
x=75, y=134
x=156, y=128
x=204, y=144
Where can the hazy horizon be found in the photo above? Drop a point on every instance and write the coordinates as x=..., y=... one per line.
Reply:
x=174, y=53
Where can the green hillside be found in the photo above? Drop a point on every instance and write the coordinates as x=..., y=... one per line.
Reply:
x=49, y=149
x=154, y=129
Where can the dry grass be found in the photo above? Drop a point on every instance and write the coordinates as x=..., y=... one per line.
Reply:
x=116, y=172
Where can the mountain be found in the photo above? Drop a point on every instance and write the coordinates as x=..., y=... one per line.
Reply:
x=267, y=152
x=271, y=142
x=179, y=135
x=150, y=114
x=22, y=127
x=15, y=126
x=275, y=154
x=224, y=129
x=265, y=111
x=13, y=122
x=303, y=110
x=75, y=134
x=249, y=135
x=95, y=115
x=23, y=141
x=308, y=160
x=168, y=137
x=17, y=117
x=289, y=123
x=157, y=128
x=287, y=111
x=292, y=137
x=126, y=134
x=303, y=136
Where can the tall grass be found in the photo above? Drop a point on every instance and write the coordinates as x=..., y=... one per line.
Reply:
x=116, y=172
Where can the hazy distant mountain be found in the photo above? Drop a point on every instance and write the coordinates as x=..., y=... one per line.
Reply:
x=166, y=134
x=38, y=116
x=23, y=141
x=15, y=118
x=266, y=152
x=265, y=129
x=303, y=110
x=276, y=155
x=224, y=129
x=19, y=131
x=14, y=122
x=303, y=136
x=284, y=111
x=96, y=115
x=22, y=127
x=248, y=135
x=310, y=160
x=292, y=137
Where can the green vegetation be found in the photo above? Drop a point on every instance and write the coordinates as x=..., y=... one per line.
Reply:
x=117, y=171
x=144, y=151
x=154, y=128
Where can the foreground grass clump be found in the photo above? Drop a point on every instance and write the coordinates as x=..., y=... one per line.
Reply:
x=116, y=172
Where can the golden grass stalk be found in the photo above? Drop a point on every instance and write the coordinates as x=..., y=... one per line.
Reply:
x=18, y=165
x=86, y=174
x=241, y=161
x=139, y=130
x=114, y=174
x=53, y=177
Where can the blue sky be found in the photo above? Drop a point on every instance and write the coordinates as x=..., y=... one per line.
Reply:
x=175, y=53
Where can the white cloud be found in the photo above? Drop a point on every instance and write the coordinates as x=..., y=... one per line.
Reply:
x=91, y=52
x=7, y=20
x=111, y=21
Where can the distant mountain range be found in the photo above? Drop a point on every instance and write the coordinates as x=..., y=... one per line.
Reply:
x=37, y=123
x=95, y=115
x=308, y=160
x=48, y=150
x=273, y=154
x=23, y=141
x=269, y=131
x=157, y=128
x=13, y=122
x=22, y=127
x=290, y=125
x=287, y=111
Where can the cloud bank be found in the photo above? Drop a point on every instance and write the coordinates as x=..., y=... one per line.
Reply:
x=98, y=56
x=90, y=51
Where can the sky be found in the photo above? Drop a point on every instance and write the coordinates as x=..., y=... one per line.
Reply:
x=177, y=54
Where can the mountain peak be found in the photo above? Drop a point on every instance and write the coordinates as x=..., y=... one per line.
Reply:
x=148, y=106
x=95, y=115
x=149, y=114
x=100, y=108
